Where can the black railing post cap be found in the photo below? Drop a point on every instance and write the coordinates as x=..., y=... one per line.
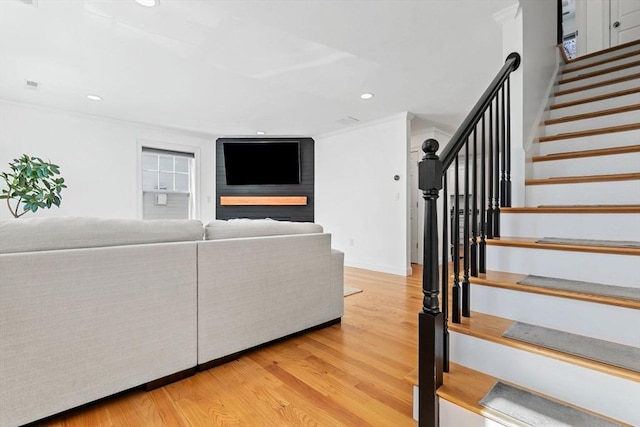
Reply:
x=430, y=169
x=430, y=146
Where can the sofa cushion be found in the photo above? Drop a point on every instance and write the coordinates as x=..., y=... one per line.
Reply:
x=234, y=228
x=43, y=234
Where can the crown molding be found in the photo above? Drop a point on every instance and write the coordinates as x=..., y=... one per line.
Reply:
x=125, y=122
x=507, y=14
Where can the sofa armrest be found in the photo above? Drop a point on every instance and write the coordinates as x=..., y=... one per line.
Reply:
x=254, y=290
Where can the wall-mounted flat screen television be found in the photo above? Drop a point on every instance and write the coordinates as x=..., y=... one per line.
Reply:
x=262, y=163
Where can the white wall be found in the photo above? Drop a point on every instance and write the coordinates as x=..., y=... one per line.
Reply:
x=530, y=30
x=539, y=61
x=97, y=157
x=356, y=198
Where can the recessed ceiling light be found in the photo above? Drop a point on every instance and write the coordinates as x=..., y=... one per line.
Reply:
x=261, y=132
x=32, y=84
x=366, y=95
x=148, y=3
x=94, y=97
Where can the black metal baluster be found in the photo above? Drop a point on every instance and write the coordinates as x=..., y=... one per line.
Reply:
x=483, y=195
x=496, y=174
x=490, y=176
x=455, y=256
x=430, y=318
x=466, y=303
x=507, y=202
x=503, y=154
x=474, y=208
x=445, y=274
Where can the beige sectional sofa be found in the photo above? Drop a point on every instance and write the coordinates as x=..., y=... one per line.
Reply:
x=91, y=307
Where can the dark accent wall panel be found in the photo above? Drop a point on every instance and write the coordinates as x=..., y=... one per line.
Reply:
x=288, y=213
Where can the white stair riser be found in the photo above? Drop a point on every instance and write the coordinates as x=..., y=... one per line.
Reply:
x=567, y=70
x=600, y=90
x=618, y=101
x=576, y=226
x=600, y=321
x=591, y=193
x=598, y=78
x=615, y=139
x=610, y=164
x=608, y=269
x=452, y=415
x=616, y=119
x=604, y=394
x=603, y=56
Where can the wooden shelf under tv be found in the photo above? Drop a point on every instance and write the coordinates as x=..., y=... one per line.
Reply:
x=263, y=200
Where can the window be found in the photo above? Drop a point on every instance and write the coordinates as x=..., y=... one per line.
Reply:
x=167, y=184
x=569, y=43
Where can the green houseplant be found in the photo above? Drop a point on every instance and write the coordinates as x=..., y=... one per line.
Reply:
x=33, y=183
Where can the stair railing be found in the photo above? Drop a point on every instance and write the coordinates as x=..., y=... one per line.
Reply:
x=487, y=170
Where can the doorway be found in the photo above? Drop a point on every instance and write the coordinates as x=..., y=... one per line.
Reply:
x=601, y=24
x=416, y=211
x=625, y=21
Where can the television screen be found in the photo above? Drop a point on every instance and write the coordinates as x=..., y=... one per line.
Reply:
x=262, y=163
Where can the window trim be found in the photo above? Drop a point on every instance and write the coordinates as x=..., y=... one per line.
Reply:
x=149, y=144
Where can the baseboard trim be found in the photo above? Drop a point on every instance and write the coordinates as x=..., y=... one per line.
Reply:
x=234, y=356
x=160, y=382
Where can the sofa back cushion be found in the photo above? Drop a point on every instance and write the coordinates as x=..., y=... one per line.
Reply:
x=43, y=234
x=234, y=228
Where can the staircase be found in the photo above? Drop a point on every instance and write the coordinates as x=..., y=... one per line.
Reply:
x=584, y=186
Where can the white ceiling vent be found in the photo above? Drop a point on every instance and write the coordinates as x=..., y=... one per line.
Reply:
x=32, y=84
x=348, y=120
x=33, y=3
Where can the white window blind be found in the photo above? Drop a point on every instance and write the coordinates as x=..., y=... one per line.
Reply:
x=167, y=184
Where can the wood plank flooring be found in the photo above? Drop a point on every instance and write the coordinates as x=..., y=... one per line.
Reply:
x=350, y=374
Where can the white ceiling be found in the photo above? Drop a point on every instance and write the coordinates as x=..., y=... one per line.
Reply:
x=236, y=67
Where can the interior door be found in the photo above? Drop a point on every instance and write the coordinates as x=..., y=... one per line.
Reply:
x=625, y=21
x=415, y=193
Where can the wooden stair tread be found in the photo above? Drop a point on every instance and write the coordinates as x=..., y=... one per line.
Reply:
x=590, y=115
x=586, y=178
x=532, y=243
x=462, y=386
x=491, y=328
x=598, y=84
x=501, y=279
x=590, y=132
x=603, y=51
x=573, y=69
x=574, y=209
x=412, y=377
x=595, y=98
x=466, y=387
x=599, y=72
x=588, y=153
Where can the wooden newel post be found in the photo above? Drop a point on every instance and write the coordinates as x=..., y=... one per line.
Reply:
x=430, y=319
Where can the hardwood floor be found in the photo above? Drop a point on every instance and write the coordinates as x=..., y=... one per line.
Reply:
x=350, y=374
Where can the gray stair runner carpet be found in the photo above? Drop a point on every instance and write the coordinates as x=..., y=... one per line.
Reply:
x=615, y=354
x=534, y=410
x=588, y=242
x=583, y=287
